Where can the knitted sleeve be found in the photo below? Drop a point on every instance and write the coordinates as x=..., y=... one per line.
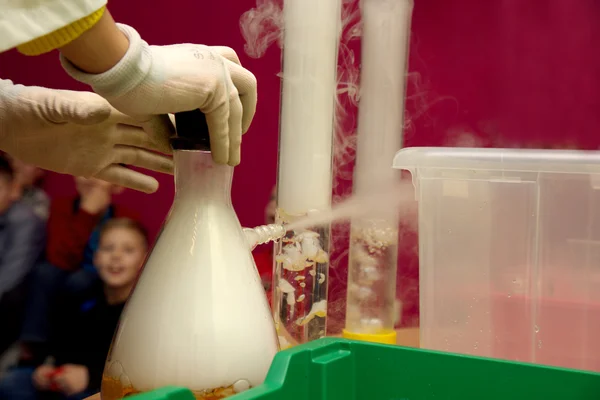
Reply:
x=61, y=36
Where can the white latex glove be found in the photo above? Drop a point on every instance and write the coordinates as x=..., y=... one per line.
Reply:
x=79, y=133
x=183, y=77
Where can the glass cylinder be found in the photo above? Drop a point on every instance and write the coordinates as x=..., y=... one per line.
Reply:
x=311, y=33
x=371, y=293
x=300, y=283
x=370, y=310
x=198, y=316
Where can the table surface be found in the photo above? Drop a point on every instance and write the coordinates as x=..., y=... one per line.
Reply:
x=408, y=337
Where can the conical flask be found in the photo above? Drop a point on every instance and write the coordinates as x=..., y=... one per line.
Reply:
x=198, y=316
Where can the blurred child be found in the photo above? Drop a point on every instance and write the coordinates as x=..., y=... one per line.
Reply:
x=73, y=236
x=27, y=186
x=21, y=245
x=74, y=223
x=82, y=324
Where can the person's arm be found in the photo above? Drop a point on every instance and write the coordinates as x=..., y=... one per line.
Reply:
x=27, y=244
x=144, y=82
x=68, y=234
x=98, y=49
x=93, y=43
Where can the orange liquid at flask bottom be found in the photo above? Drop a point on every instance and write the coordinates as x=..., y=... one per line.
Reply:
x=113, y=389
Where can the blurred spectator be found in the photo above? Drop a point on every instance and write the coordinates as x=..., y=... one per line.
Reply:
x=21, y=245
x=73, y=236
x=27, y=185
x=263, y=255
x=74, y=223
x=82, y=323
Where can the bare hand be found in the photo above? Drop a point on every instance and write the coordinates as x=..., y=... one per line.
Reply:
x=73, y=379
x=94, y=397
x=41, y=376
x=96, y=195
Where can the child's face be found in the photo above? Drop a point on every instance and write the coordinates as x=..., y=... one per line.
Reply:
x=119, y=256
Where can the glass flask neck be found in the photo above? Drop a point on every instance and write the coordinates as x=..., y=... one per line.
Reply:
x=197, y=174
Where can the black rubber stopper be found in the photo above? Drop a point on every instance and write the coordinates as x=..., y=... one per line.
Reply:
x=192, y=131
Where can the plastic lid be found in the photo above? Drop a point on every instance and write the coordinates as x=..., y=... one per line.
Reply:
x=528, y=160
x=191, y=131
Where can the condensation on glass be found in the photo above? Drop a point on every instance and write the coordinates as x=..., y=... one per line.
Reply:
x=301, y=272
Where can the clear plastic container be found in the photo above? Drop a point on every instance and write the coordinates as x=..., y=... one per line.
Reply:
x=509, y=251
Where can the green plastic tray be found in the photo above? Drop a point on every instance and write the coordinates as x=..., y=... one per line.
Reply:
x=339, y=369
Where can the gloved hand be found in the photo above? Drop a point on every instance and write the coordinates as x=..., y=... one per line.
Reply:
x=79, y=133
x=169, y=79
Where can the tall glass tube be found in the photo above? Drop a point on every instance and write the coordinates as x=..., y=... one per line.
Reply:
x=374, y=239
x=198, y=316
x=304, y=183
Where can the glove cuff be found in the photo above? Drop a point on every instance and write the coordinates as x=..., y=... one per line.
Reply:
x=128, y=73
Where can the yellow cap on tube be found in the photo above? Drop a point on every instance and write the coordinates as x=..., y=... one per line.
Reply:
x=383, y=337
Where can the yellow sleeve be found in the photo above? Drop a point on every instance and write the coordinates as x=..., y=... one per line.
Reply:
x=62, y=36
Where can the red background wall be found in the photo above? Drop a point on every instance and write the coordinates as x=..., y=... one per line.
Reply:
x=511, y=72
x=488, y=73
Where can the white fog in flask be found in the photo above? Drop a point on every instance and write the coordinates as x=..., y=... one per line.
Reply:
x=198, y=316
